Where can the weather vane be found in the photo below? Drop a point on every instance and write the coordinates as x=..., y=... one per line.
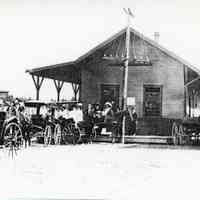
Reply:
x=129, y=14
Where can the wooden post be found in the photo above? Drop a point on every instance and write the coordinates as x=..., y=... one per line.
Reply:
x=75, y=88
x=125, y=81
x=79, y=98
x=186, y=101
x=58, y=85
x=186, y=96
x=38, y=83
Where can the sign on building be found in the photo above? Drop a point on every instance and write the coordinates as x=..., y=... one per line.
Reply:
x=131, y=101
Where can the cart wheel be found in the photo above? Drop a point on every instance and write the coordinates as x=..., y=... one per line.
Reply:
x=57, y=134
x=13, y=137
x=47, y=135
x=73, y=132
x=65, y=135
x=175, y=133
x=181, y=134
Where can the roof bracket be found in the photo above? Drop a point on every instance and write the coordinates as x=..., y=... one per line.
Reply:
x=58, y=85
x=76, y=88
x=38, y=83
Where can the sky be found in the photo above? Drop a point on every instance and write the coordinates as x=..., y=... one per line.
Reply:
x=36, y=33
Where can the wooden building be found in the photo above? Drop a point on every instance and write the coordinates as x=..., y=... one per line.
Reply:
x=164, y=85
x=3, y=94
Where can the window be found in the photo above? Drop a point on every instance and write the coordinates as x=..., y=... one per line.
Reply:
x=152, y=101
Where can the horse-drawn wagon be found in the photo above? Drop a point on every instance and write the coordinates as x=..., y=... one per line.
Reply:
x=64, y=130
x=48, y=128
x=11, y=134
x=36, y=111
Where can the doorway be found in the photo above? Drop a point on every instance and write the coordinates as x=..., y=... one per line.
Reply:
x=110, y=92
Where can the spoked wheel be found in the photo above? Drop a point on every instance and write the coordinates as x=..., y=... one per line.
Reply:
x=57, y=134
x=72, y=133
x=181, y=133
x=76, y=134
x=13, y=138
x=175, y=133
x=83, y=136
x=47, y=135
x=65, y=135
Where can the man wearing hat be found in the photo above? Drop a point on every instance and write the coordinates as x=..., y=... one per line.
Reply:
x=131, y=119
x=108, y=115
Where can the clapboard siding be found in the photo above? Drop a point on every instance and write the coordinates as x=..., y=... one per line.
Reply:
x=165, y=71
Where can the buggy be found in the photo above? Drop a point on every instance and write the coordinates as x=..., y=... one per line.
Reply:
x=11, y=134
x=37, y=124
x=65, y=130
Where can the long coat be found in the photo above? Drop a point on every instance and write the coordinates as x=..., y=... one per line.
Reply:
x=130, y=122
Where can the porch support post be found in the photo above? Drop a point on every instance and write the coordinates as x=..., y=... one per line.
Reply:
x=38, y=83
x=186, y=101
x=58, y=85
x=75, y=88
x=80, y=92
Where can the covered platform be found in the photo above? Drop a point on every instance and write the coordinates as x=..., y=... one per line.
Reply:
x=59, y=73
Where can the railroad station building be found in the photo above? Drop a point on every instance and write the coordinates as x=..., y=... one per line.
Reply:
x=164, y=85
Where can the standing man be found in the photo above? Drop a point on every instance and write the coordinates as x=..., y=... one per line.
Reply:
x=131, y=120
x=108, y=116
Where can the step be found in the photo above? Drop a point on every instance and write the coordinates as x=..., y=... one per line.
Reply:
x=148, y=139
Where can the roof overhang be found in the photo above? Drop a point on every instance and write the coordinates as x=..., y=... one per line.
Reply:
x=68, y=72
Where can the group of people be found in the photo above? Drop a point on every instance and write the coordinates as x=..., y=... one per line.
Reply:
x=15, y=108
x=107, y=117
x=14, y=111
x=110, y=118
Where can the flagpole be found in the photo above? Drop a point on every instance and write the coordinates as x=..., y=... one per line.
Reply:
x=126, y=76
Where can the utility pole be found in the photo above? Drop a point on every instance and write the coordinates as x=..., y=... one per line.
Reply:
x=125, y=67
x=129, y=14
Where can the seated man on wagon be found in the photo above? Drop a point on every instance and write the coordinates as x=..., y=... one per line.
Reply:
x=63, y=116
x=77, y=114
x=97, y=113
x=58, y=112
x=88, y=121
x=66, y=112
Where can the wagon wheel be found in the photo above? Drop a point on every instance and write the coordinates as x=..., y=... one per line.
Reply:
x=79, y=134
x=65, y=134
x=47, y=135
x=175, y=132
x=13, y=133
x=74, y=132
x=13, y=138
x=181, y=133
x=57, y=134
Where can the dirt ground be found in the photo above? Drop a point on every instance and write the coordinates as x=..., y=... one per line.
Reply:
x=101, y=171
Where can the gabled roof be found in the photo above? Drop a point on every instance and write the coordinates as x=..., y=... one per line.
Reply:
x=169, y=53
x=148, y=40
x=70, y=65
